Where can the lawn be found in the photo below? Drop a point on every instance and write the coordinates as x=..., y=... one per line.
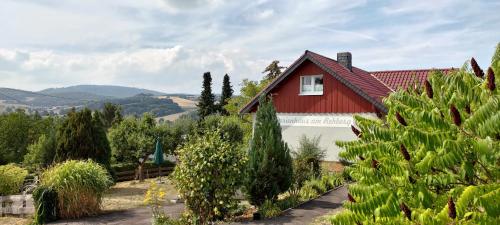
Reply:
x=130, y=194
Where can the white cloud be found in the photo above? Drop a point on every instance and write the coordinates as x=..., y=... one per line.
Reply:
x=168, y=44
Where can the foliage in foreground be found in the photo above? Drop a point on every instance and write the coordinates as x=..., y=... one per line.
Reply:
x=80, y=186
x=45, y=202
x=208, y=175
x=436, y=158
x=11, y=179
x=270, y=168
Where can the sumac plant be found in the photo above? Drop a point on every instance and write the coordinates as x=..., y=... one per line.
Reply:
x=435, y=159
x=209, y=172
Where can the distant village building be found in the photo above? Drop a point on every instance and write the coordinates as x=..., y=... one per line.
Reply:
x=318, y=96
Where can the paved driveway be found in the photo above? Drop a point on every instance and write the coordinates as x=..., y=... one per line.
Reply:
x=306, y=213
x=139, y=216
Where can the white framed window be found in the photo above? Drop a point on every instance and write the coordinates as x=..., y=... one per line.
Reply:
x=311, y=85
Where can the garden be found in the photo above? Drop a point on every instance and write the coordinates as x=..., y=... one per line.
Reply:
x=434, y=158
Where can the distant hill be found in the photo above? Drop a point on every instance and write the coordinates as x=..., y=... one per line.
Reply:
x=36, y=99
x=102, y=90
x=61, y=100
x=142, y=103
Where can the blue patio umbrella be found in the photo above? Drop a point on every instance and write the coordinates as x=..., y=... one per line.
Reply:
x=158, y=156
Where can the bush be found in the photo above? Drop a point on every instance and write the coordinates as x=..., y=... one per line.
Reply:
x=208, y=175
x=269, y=209
x=290, y=201
x=270, y=169
x=308, y=192
x=307, y=160
x=332, y=180
x=166, y=220
x=11, y=179
x=434, y=159
x=80, y=186
x=45, y=201
x=229, y=127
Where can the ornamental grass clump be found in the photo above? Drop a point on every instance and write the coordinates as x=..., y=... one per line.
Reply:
x=80, y=186
x=435, y=157
x=11, y=179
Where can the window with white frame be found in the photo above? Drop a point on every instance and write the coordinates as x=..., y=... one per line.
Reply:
x=311, y=85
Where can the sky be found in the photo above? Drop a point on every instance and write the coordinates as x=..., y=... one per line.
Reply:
x=166, y=45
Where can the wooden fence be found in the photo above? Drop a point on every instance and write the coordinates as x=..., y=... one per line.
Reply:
x=147, y=173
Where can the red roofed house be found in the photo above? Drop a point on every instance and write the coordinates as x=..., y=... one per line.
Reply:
x=318, y=96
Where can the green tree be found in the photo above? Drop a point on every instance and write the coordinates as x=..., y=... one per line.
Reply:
x=111, y=114
x=249, y=89
x=17, y=131
x=434, y=160
x=208, y=176
x=206, y=104
x=227, y=93
x=41, y=154
x=133, y=140
x=230, y=128
x=272, y=71
x=270, y=170
x=82, y=136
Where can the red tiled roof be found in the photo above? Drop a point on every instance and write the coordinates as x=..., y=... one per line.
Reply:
x=357, y=77
x=360, y=81
x=396, y=79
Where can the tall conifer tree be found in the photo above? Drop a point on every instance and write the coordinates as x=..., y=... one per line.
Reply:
x=269, y=169
x=83, y=136
x=206, y=105
x=227, y=93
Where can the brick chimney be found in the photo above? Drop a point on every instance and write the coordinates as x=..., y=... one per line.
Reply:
x=345, y=59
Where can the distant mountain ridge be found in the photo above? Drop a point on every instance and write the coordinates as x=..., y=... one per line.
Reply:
x=102, y=90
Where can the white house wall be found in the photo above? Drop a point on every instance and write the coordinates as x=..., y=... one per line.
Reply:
x=330, y=127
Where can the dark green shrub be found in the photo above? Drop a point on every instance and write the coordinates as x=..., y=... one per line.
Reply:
x=307, y=160
x=270, y=169
x=45, y=201
x=83, y=136
x=11, y=179
x=80, y=186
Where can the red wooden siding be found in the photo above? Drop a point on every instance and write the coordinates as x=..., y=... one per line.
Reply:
x=336, y=98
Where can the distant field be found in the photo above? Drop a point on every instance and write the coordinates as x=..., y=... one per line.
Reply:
x=186, y=104
x=182, y=102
